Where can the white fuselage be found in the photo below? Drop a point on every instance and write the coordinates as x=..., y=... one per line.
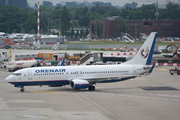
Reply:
x=58, y=74
x=20, y=64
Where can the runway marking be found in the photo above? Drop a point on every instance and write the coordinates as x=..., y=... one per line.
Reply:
x=43, y=117
x=161, y=95
x=50, y=117
x=44, y=92
x=12, y=109
x=164, y=69
x=135, y=96
x=30, y=116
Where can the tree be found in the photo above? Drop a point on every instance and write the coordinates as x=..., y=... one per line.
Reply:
x=87, y=31
x=35, y=5
x=32, y=31
x=77, y=34
x=74, y=24
x=134, y=5
x=81, y=32
x=85, y=10
x=122, y=27
x=98, y=28
x=127, y=6
x=72, y=33
x=1, y=4
x=84, y=21
x=113, y=11
x=71, y=4
x=8, y=19
x=170, y=6
x=65, y=21
x=45, y=18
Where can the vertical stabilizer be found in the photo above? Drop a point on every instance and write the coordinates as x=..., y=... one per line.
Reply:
x=62, y=62
x=145, y=53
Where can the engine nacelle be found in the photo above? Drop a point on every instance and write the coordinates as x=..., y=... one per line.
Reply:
x=79, y=84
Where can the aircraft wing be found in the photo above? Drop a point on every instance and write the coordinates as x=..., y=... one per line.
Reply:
x=101, y=78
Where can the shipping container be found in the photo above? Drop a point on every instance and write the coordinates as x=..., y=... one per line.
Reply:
x=46, y=56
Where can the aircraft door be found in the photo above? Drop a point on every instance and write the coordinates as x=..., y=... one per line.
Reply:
x=79, y=73
x=30, y=75
x=134, y=70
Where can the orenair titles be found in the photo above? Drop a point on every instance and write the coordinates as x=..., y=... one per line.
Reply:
x=50, y=70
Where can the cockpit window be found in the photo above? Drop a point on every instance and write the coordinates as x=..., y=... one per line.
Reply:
x=17, y=74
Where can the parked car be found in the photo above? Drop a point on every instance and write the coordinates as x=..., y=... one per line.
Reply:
x=7, y=46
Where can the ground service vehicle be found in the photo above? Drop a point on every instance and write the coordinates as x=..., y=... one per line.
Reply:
x=175, y=71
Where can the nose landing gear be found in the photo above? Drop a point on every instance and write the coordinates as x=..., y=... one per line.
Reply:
x=22, y=89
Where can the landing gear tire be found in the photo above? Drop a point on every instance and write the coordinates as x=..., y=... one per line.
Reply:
x=91, y=88
x=22, y=90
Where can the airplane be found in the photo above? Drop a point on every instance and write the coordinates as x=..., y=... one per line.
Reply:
x=83, y=77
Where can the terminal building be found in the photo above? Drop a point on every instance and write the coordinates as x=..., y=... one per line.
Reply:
x=165, y=28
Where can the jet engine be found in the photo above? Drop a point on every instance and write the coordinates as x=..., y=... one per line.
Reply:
x=79, y=84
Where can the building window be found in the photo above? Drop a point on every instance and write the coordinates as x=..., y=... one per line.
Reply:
x=166, y=24
x=148, y=24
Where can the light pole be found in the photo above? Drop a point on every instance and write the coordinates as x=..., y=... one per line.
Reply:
x=127, y=17
x=21, y=24
x=157, y=13
x=48, y=26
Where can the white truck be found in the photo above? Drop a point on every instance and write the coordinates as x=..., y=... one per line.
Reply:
x=15, y=65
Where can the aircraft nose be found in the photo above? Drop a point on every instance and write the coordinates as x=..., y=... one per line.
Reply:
x=8, y=79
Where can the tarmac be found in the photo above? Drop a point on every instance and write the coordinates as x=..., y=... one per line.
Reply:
x=153, y=97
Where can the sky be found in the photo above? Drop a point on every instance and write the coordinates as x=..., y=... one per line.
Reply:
x=113, y=2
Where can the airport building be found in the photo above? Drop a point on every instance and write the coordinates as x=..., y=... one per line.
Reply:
x=17, y=3
x=165, y=28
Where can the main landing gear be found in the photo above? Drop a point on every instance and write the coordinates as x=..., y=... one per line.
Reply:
x=91, y=88
x=22, y=89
